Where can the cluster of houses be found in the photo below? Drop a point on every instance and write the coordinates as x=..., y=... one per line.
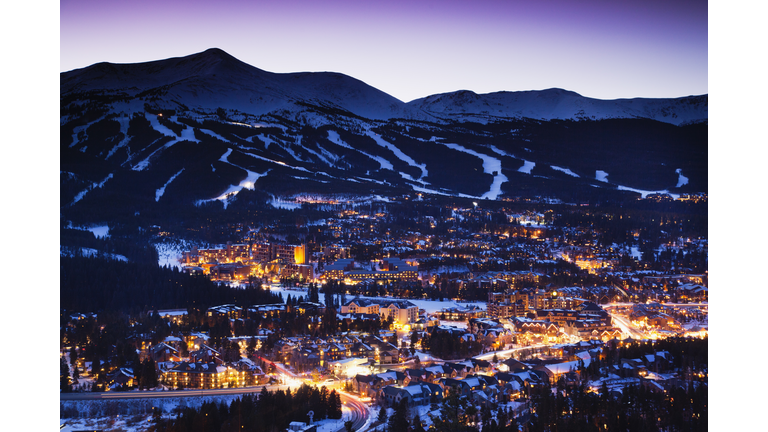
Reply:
x=306, y=353
x=486, y=383
x=236, y=262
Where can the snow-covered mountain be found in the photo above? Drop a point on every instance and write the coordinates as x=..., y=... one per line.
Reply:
x=560, y=104
x=208, y=128
x=214, y=79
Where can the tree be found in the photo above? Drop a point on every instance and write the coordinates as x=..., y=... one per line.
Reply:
x=334, y=402
x=66, y=385
x=382, y=414
x=417, y=424
x=399, y=420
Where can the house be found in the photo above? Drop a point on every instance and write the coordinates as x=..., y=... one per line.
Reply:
x=121, y=377
x=206, y=354
x=347, y=367
x=196, y=375
x=417, y=375
x=414, y=394
x=463, y=387
x=367, y=385
x=163, y=352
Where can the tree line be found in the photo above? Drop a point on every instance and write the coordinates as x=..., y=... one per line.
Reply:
x=100, y=284
x=264, y=412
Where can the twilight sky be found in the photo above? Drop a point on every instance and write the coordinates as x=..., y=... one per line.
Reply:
x=605, y=49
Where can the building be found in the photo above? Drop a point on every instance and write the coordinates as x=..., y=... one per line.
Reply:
x=196, y=375
x=359, y=305
x=391, y=270
x=507, y=304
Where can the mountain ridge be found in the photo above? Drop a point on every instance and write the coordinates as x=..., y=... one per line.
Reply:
x=207, y=128
x=186, y=78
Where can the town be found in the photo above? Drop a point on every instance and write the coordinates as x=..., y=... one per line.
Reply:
x=515, y=316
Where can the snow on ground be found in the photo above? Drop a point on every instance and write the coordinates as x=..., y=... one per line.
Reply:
x=76, y=131
x=434, y=306
x=402, y=156
x=187, y=134
x=159, y=193
x=124, y=121
x=334, y=137
x=168, y=255
x=565, y=170
x=385, y=164
x=490, y=166
x=277, y=162
x=601, y=176
x=282, y=204
x=527, y=167
x=248, y=183
x=133, y=416
x=90, y=252
x=214, y=134
x=645, y=193
x=99, y=231
x=267, y=140
x=681, y=180
x=500, y=151
x=93, y=186
x=430, y=191
x=429, y=306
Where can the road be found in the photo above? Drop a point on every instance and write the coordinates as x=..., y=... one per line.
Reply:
x=167, y=394
x=626, y=327
x=358, y=411
x=504, y=353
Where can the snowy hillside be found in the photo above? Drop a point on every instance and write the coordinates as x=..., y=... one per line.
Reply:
x=214, y=79
x=560, y=104
x=210, y=130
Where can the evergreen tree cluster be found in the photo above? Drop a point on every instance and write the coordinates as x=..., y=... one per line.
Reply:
x=265, y=412
x=98, y=284
x=447, y=345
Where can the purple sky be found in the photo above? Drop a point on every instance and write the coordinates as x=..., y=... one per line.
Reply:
x=410, y=49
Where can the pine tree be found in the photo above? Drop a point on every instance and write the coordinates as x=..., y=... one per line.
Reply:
x=66, y=385
x=399, y=420
x=382, y=414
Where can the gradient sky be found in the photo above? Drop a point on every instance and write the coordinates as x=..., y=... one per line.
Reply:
x=605, y=49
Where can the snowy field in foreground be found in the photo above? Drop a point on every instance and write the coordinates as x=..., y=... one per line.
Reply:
x=94, y=418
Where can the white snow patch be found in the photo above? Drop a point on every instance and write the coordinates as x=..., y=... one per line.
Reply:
x=214, y=134
x=402, y=156
x=168, y=255
x=681, y=180
x=527, y=167
x=161, y=191
x=99, y=231
x=490, y=166
x=283, y=204
x=565, y=170
x=248, y=183
x=94, y=185
x=277, y=162
x=645, y=193
x=601, y=176
x=334, y=137
x=225, y=157
x=385, y=164
x=90, y=252
x=124, y=121
x=187, y=134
